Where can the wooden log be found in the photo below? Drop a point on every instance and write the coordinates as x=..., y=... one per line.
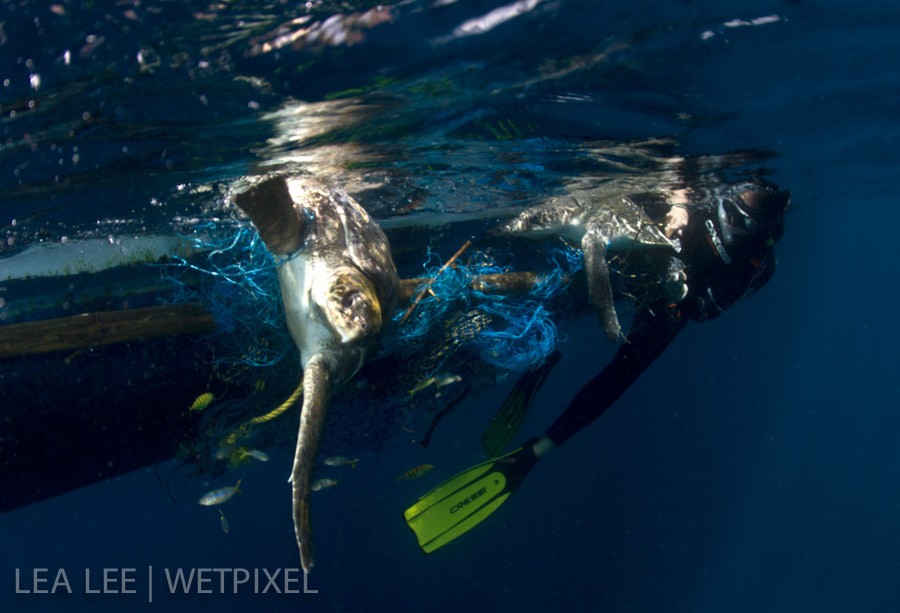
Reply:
x=102, y=328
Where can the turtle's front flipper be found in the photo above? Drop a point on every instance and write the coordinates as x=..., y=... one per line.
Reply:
x=316, y=393
x=600, y=293
x=270, y=207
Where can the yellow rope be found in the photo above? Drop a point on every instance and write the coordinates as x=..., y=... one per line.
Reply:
x=281, y=409
x=243, y=430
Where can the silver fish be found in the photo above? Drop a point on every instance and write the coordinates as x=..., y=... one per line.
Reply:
x=218, y=496
x=323, y=483
x=339, y=460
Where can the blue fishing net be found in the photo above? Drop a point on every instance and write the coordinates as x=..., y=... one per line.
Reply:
x=480, y=335
x=521, y=331
x=253, y=362
x=235, y=280
x=238, y=285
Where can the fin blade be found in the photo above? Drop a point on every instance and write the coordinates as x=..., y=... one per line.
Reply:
x=506, y=422
x=509, y=417
x=470, y=522
x=459, y=504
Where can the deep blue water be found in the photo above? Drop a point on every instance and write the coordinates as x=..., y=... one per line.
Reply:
x=754, y=467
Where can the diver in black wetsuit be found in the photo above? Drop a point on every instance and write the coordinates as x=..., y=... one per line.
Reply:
x=727, y=246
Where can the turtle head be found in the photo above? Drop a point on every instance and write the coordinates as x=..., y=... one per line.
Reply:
x=351, y=305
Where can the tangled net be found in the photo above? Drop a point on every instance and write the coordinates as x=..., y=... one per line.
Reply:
x=238, y=285
x=479, y=334
x=514, y=332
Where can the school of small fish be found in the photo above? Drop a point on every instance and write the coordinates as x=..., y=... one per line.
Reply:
x=224, y=494
x=438, y=381
x=335, y=460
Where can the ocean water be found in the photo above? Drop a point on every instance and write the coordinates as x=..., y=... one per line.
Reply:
x=754, y=467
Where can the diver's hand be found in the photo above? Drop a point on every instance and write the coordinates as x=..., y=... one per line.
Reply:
x=675, y=280
x=676, y=220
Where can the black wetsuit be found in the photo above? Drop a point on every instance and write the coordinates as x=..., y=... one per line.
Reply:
x=718, y=275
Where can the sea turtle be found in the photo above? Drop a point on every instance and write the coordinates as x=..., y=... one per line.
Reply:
x=338, y=284
x=601, y=223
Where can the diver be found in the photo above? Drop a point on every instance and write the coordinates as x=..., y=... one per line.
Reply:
x=727, y=240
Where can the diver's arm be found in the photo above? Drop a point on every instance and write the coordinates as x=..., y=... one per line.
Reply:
x=670, y=210
x=651, y=332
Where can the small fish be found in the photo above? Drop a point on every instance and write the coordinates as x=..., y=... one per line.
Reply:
x=256, y=454
x=323, y=483
x=223, y=494
x=439, y=381
x=239, y=455
x=416, y=472
x=224, y=452
x=224, y=522
x=446, y=379
x=202, y=401
x=339, y=460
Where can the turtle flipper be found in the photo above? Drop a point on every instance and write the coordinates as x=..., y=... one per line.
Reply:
x=600, y=292
x=280, y=223
x=316, y=394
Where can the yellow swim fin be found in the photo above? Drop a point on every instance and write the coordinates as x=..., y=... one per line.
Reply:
x=461, y=503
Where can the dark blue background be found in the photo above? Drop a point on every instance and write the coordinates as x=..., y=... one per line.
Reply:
x=755, y=467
